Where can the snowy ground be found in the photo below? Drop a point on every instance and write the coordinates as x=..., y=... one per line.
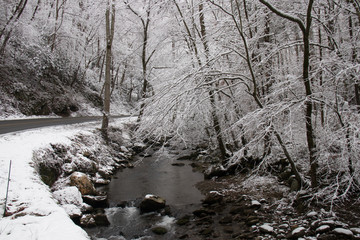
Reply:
x=35, y=213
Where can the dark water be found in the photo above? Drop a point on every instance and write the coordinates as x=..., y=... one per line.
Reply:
x=151, y=175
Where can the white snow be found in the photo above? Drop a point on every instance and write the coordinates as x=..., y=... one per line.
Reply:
x=35, y=213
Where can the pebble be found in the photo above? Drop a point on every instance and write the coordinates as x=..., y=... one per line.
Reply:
x=355, y=230
x=323, y=228
x=266, y=228
x=284, y=226
x=312, y=214
x=298, y=232
x=344, y=232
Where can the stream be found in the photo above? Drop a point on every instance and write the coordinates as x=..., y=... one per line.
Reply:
x=152, y=175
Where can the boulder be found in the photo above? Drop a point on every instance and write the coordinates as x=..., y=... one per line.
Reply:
x=151, y=203
x=83, y=183
x=96, y=201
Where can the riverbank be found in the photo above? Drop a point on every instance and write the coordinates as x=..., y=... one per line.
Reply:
x=241, y=206
x=34, y=209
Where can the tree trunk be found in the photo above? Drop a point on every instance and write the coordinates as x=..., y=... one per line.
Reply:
x=307, y=84
x=110, y=23
x=216, y=122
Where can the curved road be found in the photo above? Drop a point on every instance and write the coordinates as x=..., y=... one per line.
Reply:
x=7, y=126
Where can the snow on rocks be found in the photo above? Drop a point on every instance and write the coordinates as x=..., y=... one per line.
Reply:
x=33, y=211
x=266, y=228
x=323, y=229
x=312, y=214
x=343, y=232
x=355, y=230
x=151, y=203
x=298, y=232
x=69, y=195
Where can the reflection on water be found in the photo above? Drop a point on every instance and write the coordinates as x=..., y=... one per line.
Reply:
x=152, y=175
x=155, y=175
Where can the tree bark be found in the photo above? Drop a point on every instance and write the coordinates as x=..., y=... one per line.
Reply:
x=110, y=25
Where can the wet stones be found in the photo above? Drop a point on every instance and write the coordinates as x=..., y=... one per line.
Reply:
x=94, y=220
x=96, y=201
x=152, y=203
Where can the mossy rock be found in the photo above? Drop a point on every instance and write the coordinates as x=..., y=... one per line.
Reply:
x=159, y=230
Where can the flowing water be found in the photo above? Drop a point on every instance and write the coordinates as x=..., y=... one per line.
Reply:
x=151, y=175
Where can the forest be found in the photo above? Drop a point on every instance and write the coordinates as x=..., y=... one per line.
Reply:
x=258, y=82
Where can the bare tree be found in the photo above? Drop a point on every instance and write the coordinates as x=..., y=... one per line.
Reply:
x=305, y=28
x=145, y=58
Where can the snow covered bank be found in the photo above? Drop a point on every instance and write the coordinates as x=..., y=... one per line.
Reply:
x=34, y=213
